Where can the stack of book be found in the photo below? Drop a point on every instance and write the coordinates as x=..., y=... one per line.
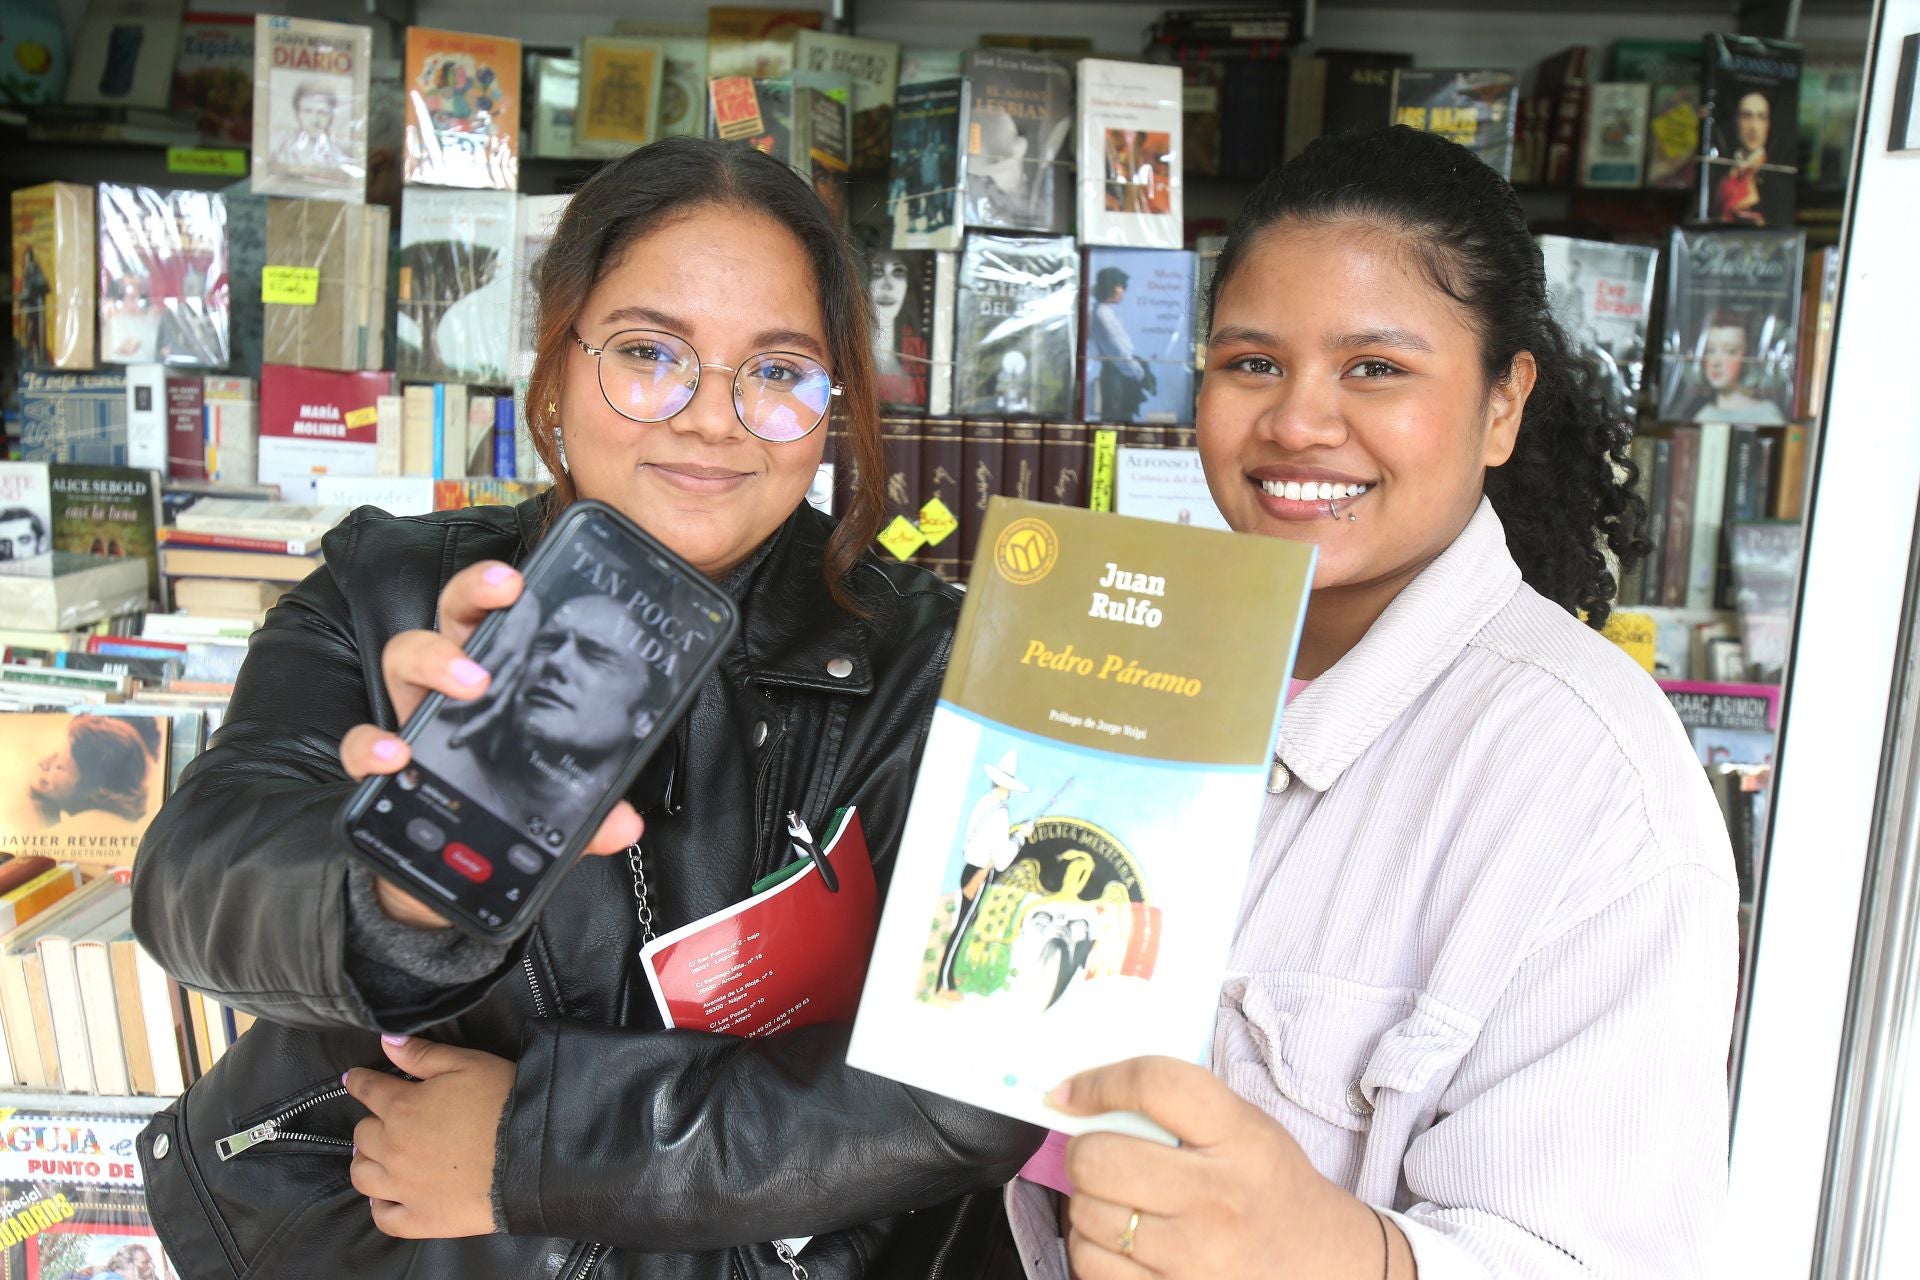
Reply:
x=234, y=558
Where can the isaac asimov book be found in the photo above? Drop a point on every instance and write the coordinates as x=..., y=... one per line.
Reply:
x=1070, y=875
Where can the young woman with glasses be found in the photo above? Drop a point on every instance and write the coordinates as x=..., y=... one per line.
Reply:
x=517, y=1109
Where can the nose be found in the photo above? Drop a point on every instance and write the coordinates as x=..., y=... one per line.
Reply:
x=1303, y=412
x=710, y=415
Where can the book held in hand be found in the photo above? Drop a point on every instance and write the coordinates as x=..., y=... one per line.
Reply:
x=1070, y=875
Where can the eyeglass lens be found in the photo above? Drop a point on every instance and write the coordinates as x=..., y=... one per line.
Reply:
x=649, y=377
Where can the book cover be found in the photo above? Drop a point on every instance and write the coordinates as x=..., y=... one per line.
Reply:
x=755, y=43
x=1139, y=336
x=873, y=67
x=107, y=511
x=311, y=107
x=314, y=422
x=1067, y=884
x=77, y=1201
x=1359, y=92
x=54, y=281
x=1131, y=156
x=73, y=417
x=1164, y=484
x=620, y=86
x=463, y=110
x=904, y=285
x=1656, y=61
x=124, y=53
x=233, y=430
x=920, y=63
x=33, y=48
x=1615, y=151
x=1749, y=131
x=163, y=277
x=186, y=428
x=1766, y=581
x=26, y=511
x=1200, y=121
x=1601, y=293
x=325, y=321
x=213, y=77
x=822, y=145
x=81, y=788
x=1673, y=137
x=1016, y=315
x=1473, y=108
x=539, y=217
x=929, y=164
x=1730, y=339
x=555, y=98
x=454, y=293
x=1832, y=79
x=683, y=85
x=1018, y=171
x=756, y=112
x=1709, y=506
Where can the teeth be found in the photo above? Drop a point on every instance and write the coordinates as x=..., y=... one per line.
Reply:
x=1293, y=490
x=1310, y=490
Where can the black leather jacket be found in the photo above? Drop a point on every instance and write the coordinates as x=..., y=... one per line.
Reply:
x=625, y=1150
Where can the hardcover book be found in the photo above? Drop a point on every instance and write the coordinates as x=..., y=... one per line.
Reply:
x=1139, y=336
x=315, y=423
x=872, y=66
x=683, y=86
x=54, y=241
x=620, y=84
x=1130, y=155
x=310, y=108
x=454, y=294
x=1016, y=317
x=1602, y=295
x=1359, y=89
x=1070, y=873
x=163, y=277
x=74, y=417
x=1673, y=137
x=929, y=164
x=755, y=43
x=1615, y=151
x=213, y=77
x=1732, y=313
x=186, y=428
x=1473, y=108
x=1749, y=131
x=463, y=110
x=1018, y=170
x=910, y=290
x=123, y=56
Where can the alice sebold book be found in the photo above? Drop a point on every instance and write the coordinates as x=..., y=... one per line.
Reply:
x=1070, y=874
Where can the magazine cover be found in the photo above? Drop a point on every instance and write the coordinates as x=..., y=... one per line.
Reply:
x=620, y=85
x=872, y=66
x=1615, y=151
x=80, y=788
x=755, y=43
x=1071, y=869
x=310, y=108
x=1130, y=155
x=1749, y=131
x=107, y=511
x=929, y=164
x=1602, y=294
x=1732, y=313
x=1019, y=298
x=123, y=55
x=73, y=417
x=683, y=86
x=53, y=276
x=905, y=287
x=454, y=293
x=163, y=277
x=1018, y=169
x=1473, y=108
x=213, y=76
x=72, y=1202
x=463, y=110
x=1139, y=327
x=315, y=423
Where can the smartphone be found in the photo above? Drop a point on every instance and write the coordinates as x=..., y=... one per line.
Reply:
x=592, y=667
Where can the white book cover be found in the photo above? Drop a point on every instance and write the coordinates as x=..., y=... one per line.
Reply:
x=86, y=909
x=310, y=108
x=1130, y=157
x=94, y=969
x=1614, y=153
x=940, y=381
x=395, y=495
x=156, y=1012
x=125, y=53
x=454, y=308
x=389, y=418
x=147, y=416
x=1164, y=484
x=26, y=512
x=539, y=218
x=1709, y=510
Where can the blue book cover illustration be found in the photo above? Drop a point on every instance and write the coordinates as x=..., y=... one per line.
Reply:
x=73, y=417
x=1139, y=327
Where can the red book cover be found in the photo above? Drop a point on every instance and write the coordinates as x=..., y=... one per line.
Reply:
x=789, y=957
x=186, y=429
x=316, y=422
x=172, y=537
x=163, y=277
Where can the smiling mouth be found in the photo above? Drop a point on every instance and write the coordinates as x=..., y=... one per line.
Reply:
x=1311, y=491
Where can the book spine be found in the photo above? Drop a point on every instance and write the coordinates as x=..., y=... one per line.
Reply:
x=940, y=381
x=1679, y=531
x=1064, y=463
x=1021, y=464
x=983, y=468
x=439, y=430
x=503, y=457
x=1790, y=480
x=1657, y=491
x=228, y=542
x=1760, y=500
x=941, y=462
x=389, y=433
x=1632, y=583
x=1106, y=448
x=1709, y=514
x=1743, y=450
x=900, y=448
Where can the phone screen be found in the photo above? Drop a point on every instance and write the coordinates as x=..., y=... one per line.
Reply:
x=593, y=664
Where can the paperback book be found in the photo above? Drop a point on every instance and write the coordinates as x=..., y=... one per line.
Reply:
x=1615, y=153
x=1673, y=137
x=74, y=1199
x=912, y=291
x=107, y=511
x=620, y=87
x=1130, y=155
x=1139, y=336
x=556, y=97
x=821, y=147
x=1018, y=170
x=163, y=277
x=310, y=108
x=455, y=287
x=80, y=788
x=1731, y=326
x=124, y=54
x=872, y=67
x=54, y=241
x=74, y=417
x=463, y=110
x=683, y=85
x=756, y=112
x=1749, y=131
x=1070, y=873
x=1602, y=293
x=929, y=164
x=213, y=76
x=1016, y=313
x=1473, y=108
x=315, y=423
x=755, y=43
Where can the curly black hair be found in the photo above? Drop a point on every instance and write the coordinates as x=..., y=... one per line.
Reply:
x=1566, y=496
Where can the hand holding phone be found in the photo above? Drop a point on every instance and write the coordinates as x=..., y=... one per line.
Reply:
x=416, y=663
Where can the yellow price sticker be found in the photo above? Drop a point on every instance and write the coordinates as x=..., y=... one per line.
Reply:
x=1633, y=632
x=902, y=539
x=937, y=523
x=226, y=161
x=291, y=286
x=365, y=417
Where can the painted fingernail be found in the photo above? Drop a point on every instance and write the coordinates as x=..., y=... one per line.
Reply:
x=386, y=748
x=394, y=1039
x=353, y=1149
x=498, y=574
x=467, y=671
x=343, y=1079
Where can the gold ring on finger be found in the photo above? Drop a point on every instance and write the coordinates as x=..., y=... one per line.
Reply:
x=1126, y=1237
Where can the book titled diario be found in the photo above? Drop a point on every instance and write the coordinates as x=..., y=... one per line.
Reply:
x=1070, y=875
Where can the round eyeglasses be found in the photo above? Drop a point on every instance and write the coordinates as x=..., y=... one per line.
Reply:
x=648, y=376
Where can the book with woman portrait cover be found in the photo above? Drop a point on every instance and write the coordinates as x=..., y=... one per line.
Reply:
x=310, y=108
x=1731, y=327
x=1749, y=131
x=1071, y=869
x=912, y=292
x=81, y=788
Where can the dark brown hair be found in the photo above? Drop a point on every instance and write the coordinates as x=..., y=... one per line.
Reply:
x=633, y=195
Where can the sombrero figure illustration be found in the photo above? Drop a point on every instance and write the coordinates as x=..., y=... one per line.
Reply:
x=992, y=843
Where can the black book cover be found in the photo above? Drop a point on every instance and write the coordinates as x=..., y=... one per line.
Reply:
x=1360, y=89
x=1019, y=172
x=1473, y=108
x=900, y=283
x=1730, y=338
x=1749, y=131
x=1017, y=315
x=924, y=184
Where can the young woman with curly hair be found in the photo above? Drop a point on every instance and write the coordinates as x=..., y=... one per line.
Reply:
x=1476, y=1019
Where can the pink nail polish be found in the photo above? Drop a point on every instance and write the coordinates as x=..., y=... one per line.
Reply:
x=498, y=574
x=343, y=1079
x=467, y=671
x=394, y=1039
x=386, y=748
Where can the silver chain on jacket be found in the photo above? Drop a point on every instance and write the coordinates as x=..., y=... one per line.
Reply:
x=643, y=909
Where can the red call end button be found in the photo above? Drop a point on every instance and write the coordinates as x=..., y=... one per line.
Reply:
x=468, y=863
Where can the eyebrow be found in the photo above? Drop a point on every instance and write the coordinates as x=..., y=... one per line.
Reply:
x=1396, y=339
x=765, y=340
x=1239, y=334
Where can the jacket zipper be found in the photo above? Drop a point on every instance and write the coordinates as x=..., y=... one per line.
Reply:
x=589, y=1262
x=946, y=1246
x=533, y=984
x=269, y=1130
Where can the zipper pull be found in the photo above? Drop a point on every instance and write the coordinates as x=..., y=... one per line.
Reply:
x=804, y=846
x=233, y=1144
